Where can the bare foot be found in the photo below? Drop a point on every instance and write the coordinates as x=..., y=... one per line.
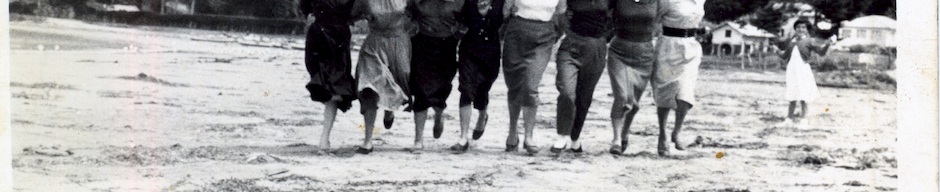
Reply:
x=662, y=149
x=512, y=143
x=418, y=146
x=530, y=148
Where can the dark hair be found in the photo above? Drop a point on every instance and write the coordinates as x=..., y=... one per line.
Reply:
x=802, y=22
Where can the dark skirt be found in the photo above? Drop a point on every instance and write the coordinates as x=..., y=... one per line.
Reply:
x=478, y=69
x=328, y=62
x=433, y=67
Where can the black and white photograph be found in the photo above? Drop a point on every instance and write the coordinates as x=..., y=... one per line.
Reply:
x=460, y=95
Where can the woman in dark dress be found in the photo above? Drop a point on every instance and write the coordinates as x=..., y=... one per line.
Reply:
x=433, y=60
x=327, y=59
x=478, y=64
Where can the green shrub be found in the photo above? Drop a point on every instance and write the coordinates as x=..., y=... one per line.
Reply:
x=837, y=60
x=856, y=79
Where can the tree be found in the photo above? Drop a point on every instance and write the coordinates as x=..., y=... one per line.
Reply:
x=718, y=11
x=770, y=18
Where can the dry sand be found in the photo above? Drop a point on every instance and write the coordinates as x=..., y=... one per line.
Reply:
x=180, y=115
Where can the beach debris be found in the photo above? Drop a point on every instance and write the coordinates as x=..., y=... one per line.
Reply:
x=260, y=158
x=854, y=184
x=52, y=151
x=276, y=173
x=148, y=78
x=708, y=142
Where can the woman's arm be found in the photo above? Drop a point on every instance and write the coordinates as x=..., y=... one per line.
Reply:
x=509, y=8
x=561, y=18
x=820, y=47
x=458, y=15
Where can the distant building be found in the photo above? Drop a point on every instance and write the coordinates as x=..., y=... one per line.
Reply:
x=868, y=30
x=734, y=38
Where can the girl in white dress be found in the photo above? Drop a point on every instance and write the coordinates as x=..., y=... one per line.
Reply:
x=801, y=84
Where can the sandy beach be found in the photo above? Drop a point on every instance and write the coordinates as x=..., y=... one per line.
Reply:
x=119, y=108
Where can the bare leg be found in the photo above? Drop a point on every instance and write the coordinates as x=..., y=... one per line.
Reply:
x=617, y=125
x=329, y=115
x=464, y=141
x=804, y=123
x=482, y=119
x=628, y=122
x=512, y=140
x=388, y=119
x=791, y=113
x=528, y=121
x=803, y=111
x=681, y=111
x=624, y=134
x=420, y=118
x=438, y=122
x=617, y=118
x=662, y=115
x=465, y=113
x=369, y=117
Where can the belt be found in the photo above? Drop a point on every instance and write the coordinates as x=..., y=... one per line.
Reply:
x=677, y=32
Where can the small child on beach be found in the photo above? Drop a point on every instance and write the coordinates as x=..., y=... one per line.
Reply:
x=801, y=84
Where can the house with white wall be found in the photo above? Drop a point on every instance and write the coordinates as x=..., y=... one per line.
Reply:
x=868, y=30
x=732, y=38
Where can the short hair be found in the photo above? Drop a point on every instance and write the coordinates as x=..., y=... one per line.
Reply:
x=802, y=22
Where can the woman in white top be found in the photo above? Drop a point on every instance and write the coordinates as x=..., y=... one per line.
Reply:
x=530, y=32
x=678, y=56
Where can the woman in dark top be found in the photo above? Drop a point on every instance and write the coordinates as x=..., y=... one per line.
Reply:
x=433, y=60
x=327, y=59
x=580, y=60
x=630, y=63
x=478, y=63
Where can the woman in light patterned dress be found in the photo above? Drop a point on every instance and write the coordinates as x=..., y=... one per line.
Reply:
x=384, y=62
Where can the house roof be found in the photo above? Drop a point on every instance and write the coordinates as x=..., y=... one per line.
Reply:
x=873, y=21
x=746, y=29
